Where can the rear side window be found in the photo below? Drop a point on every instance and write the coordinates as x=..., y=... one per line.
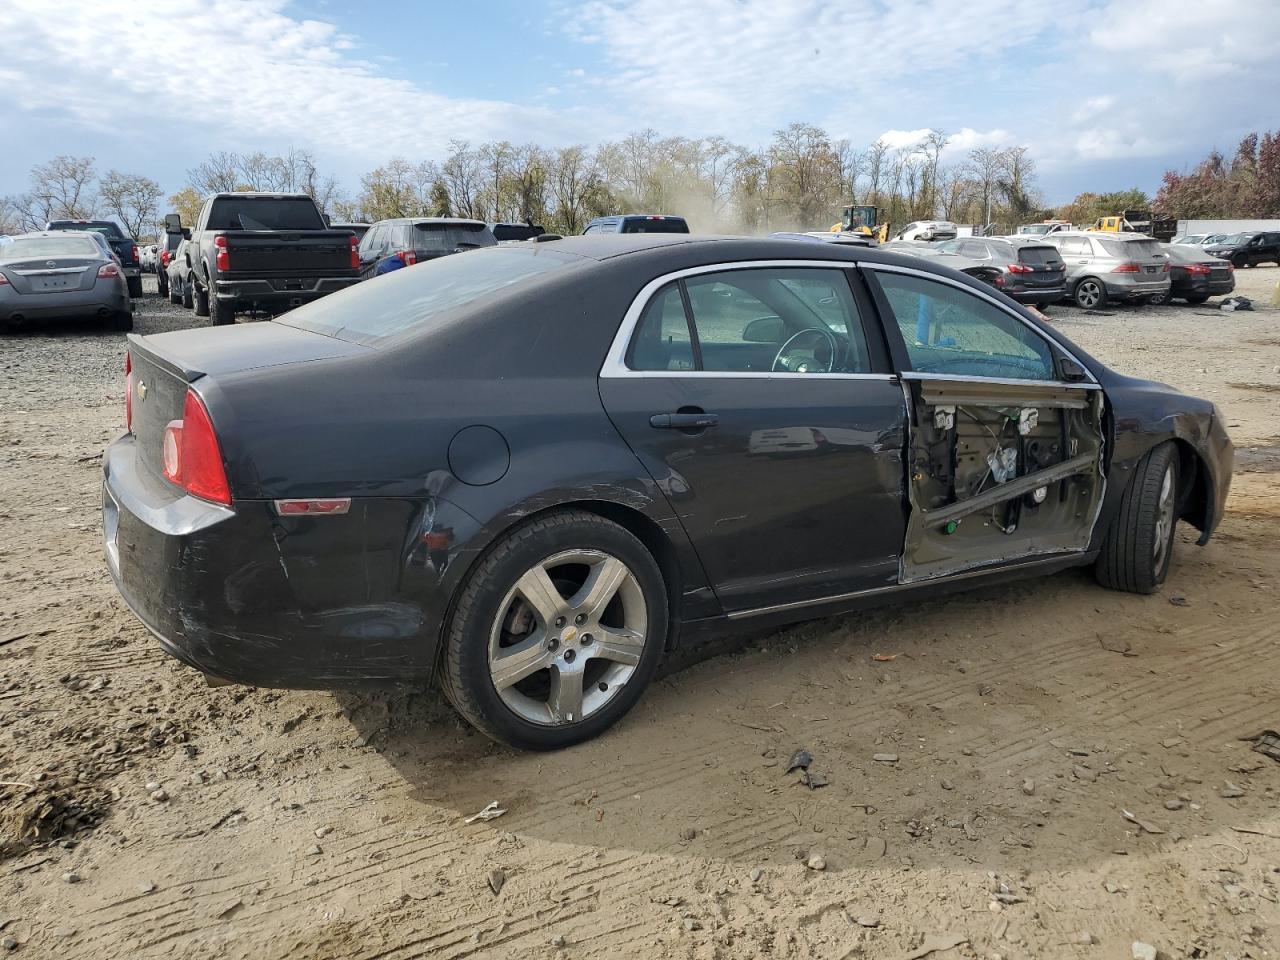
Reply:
x=264, y=213
x=952, y=332
x=662, y=340
x=1075, y=247
x=755, y=321
x=654, y=225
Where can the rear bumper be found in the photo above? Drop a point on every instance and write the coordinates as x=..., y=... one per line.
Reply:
x=241, y=594
x=1037, y=295
x=64, y=304
x=1132, y=288
x=278, y=292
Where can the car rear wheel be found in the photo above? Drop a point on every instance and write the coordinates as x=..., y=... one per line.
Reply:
x=176, y=295
x=135, y=286
x=121, y=320
x=1139, y=545
x=556, y=633
x=201, y=298
x=1089, y=294
x=1197, y=298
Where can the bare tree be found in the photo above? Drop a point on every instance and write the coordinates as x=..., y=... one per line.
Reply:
x=133, y=199
x=463, y=175
x=877, y=162
x=218, y=174
x=930, y=149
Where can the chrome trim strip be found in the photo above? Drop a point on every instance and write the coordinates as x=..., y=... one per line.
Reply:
x=994, y=567
x=615, y=365
x=895, y=268
x=1010, y=381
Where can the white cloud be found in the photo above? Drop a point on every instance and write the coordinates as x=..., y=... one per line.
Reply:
x=241, y=74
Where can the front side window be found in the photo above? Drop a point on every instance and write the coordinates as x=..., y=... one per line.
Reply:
x=952, y=332
x=776, y=320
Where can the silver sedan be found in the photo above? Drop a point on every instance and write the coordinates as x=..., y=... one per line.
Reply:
x=61, y=275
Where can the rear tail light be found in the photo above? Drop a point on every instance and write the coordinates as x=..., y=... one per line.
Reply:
x=108, y=270
x=355, y=254
x=1165, y=269
x=1127, y=268
x=128, y=391
x=1197, y=269
x=3, y=279
x=192, y=457
x=164, y=258
x=408, y=256
x=222, y=256
x=1020, y=268
x=1231, y=266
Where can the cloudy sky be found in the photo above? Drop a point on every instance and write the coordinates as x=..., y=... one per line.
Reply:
x=1107, y=93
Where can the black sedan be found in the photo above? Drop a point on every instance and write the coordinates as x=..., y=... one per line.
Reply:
x=1195, y=276
x=534, y=470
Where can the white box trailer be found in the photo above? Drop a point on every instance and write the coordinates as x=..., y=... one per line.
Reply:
x=1225, y=226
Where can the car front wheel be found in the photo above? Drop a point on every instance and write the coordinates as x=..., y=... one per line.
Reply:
x=556, y=633
x=1139, y=545
x=1090, y=294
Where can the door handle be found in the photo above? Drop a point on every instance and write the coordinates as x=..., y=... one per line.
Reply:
x=683, y=421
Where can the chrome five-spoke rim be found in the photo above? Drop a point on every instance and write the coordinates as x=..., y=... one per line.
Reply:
x=568, y=636
x=1164, y=518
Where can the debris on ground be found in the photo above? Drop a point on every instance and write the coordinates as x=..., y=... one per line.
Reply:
x=934, y=943
x=497, y=878
x=491, y=811
x=885, y=757
x=1143, y=825
x=800, y=760
x=1144, y=951
x=1266, y=743
x=884, y=657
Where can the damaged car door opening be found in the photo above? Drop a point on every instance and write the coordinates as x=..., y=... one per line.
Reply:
x=526, y=474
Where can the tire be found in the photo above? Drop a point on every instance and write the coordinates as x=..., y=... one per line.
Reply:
x=162, y=283
x=1239, y=262
x=1139, y=544
x=1197, y=298
x=221, y=313
x=187, y=300
x=1090, y=294
x=175, y=294
x=121, y=320
x=493, y=615
x=135, y=287
x=201, y=297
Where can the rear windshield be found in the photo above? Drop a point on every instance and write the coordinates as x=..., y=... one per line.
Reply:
x=425, y=296
x=1037, y=228
x=516, y=231
x=654, y=225
x=448, y=237
x=264, y=213
x=1134, y=249
x=1233, y=239
x=1038, y=256
x=106, y=229
x=30, y=248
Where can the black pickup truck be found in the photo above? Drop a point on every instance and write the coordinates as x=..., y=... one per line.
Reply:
x=265, y=252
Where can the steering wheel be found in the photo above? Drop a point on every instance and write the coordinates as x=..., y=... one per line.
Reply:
x=824, y=334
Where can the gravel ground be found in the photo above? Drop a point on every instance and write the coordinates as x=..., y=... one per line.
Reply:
x=1024, y=719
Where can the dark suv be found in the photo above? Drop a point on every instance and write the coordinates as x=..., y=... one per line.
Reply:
x=1248, y=249
x=125, y=249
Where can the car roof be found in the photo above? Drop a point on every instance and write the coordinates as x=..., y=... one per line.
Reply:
x=56, y=233
x=638, y=216
x=263, y=193
x=466, y=220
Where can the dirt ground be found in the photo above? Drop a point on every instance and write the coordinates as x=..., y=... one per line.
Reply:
x=1069, y=773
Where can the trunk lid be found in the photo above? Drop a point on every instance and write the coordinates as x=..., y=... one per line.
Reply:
x=165, y=365
x=51, y=274
x=295, y=254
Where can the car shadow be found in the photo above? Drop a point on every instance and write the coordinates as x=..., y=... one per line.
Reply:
x=1010, y=723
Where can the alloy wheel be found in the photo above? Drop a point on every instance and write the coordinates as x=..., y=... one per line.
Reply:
x=1088, y=294
x=1164, y=519
x=568, y=636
